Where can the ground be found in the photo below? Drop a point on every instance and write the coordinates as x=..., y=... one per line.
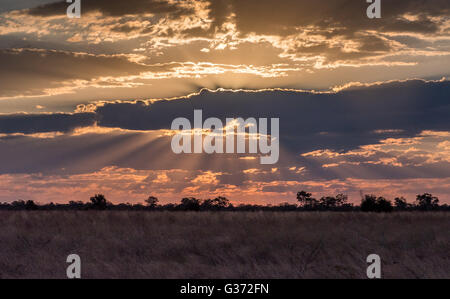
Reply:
x=126, y=244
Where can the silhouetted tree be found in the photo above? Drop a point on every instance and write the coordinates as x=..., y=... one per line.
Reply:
x=306, y=200
x=76, y=205
x=207, y=204
x=18, y=205
x=30, y=205
x=383, y=205
x=327, y=202
x=333, y=202
x=152, y=202
x=138, y=207
x=341, y=199
x=369, y=203
x=217, y=203
x=400, y=203
x=221, y=202
x=285, y=206
x=427, y=202
x=190, y=204
x=99, y=202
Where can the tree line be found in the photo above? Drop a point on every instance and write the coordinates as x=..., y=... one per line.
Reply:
x=306, y=202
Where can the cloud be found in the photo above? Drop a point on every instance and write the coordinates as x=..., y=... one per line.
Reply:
x=61, y=71
x=342, y=120
x=10, y=5
x=331, y=33
x=358, y=135
x=116, y=8
x=352, y=117
x=42, y=123
x=221, y=43
x=394, y=130
x=340, y=16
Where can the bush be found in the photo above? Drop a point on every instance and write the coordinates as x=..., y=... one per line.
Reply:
x=306, y=200
x=190, y=204
x=427, y=202
x=333, y=202
x=152, y=202
x=218, y=203
x=99, y=202
x=371, y=203
x=30, y=205
x=400, y=203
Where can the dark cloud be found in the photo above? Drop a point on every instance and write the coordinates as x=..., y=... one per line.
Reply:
x=219, y=11
x=116, y=8
x=369, y=46
x=312, y=36
x=308, y=121
x=263, y=16
x=331, y=19
x=281, y=17
x=125, y=28
x=10, y=5
x=88, y=153
x=64, y=154
x=31, y=71
x=337, y=122
x=39, y=123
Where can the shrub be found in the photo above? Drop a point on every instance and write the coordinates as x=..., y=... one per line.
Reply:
x=152, y=202
x=190, y=204
x=99, y=202
x=306, y=200
x=427, y=202
x=400, y=203
x=371, y=203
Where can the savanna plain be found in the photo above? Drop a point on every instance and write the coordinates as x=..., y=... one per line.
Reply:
x=140, y=244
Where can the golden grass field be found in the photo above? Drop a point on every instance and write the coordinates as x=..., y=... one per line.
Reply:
x=127, y=244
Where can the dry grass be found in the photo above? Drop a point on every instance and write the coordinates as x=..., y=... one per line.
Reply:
x=223, y=245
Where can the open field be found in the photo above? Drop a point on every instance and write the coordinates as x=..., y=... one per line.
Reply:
x=224, y=245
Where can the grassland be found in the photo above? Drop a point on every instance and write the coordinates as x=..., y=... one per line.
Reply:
x=223, y=245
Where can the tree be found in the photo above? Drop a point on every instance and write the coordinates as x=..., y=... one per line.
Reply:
x=76, y=205
x=341, y=199
x=30, y=205
x=327, y=202
x=332, y=202
x=99, y=202
x=383, y=205
x=400, y=203
x=221, y=202
x=217, y=203
x=207, y=204
x=306, y=199
x=371, y=203
x=18, y=204
x=152, y=202
x=427, y=201
x=368, y=203
x=190, y=204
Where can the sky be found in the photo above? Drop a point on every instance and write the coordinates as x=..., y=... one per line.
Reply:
x=86, y=104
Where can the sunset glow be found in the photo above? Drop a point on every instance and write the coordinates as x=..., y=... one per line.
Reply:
x=86, y=105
